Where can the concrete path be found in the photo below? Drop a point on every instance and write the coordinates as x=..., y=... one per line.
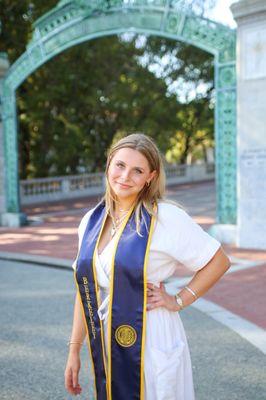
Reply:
x=36, y=318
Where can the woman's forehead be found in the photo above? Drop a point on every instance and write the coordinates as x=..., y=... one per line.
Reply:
x=131, y=156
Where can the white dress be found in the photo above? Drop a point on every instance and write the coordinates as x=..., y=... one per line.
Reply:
x=176, y=238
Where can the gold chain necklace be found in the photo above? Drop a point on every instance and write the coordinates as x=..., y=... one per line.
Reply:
x=118, y=221
x=116, y=224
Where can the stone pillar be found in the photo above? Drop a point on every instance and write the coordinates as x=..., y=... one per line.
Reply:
x=12, y=219
x=250, y=16
x=4, y=65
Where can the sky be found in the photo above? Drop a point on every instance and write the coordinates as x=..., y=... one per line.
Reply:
x=222, y=13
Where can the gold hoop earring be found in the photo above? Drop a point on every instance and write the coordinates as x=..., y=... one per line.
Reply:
x=148, y=184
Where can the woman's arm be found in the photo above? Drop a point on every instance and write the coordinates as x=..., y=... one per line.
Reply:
x=201, y=282
x=206, y=277
x=73, y=362
x=78, y=329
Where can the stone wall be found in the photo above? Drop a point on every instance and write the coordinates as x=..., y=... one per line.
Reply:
x=250, y=16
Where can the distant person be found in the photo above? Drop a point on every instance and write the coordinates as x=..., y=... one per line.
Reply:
x=129, y=244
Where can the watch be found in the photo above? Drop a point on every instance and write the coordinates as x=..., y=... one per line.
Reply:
x=179, y=301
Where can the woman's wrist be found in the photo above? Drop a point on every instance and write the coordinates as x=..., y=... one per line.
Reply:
x=176, y=307
x=179, y=302
x=74, y=349
x=185, y=297
x=74, y=345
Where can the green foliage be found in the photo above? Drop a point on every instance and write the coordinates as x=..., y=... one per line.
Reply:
x=195, y=133
x=71, y=109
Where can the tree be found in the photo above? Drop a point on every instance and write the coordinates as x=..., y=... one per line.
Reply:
x=73, y=107
x=194, y=134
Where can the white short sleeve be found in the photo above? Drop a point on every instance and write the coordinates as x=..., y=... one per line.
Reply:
x=81, y=230
x=189, y=244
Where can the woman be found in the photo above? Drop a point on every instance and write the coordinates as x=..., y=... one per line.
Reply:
x=129, y=244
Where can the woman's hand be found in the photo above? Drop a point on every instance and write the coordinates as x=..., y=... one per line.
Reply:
x=158, y=297
x=71, y=373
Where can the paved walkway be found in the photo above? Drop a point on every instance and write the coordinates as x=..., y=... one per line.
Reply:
x=36, y=318
x=53, y=234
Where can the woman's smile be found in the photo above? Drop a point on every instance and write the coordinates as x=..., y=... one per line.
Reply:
x=123, y=185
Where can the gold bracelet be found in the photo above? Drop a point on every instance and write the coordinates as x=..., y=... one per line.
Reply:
x=191, y=291
x=70, y=342
x=179, y=301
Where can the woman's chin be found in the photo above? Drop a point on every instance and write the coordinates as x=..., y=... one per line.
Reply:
x=123, y=193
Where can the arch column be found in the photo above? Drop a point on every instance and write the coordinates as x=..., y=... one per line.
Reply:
x=250, y=16
x=4, y=65
x=10, y=214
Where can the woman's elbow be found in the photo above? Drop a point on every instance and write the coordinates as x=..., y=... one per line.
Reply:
x=221, y=260
x=225, y=259
x=228, y=263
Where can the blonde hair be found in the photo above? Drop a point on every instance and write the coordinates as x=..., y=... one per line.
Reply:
x=150, y=195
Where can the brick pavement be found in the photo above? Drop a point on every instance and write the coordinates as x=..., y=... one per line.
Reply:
x=241, y=292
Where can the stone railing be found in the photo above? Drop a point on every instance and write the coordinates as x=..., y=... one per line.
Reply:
x=72, y=186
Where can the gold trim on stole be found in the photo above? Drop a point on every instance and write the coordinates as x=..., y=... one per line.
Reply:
x=145, y=305
x=83, y=312
x=88, y=337
x=111, y=301
x=98, y=297
x=111, y=298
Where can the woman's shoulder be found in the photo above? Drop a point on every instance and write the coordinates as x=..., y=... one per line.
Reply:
x=170, y=216
x=87, y=215
x=84, y=220
x=174, y=217
x=169, y=208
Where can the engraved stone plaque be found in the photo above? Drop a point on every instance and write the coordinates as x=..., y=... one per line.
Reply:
x=252, y=198
x=254, y=52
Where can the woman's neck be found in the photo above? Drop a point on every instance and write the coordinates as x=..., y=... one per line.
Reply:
x=124, y=204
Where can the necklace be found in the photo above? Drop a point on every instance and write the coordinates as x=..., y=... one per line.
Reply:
x=122, y=216
x=117, y=221
x=116, y=224
x=122, y=209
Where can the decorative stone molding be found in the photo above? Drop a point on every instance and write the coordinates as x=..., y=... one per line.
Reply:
x=245, y=10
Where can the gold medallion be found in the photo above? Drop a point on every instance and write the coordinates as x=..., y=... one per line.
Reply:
x=125, y=335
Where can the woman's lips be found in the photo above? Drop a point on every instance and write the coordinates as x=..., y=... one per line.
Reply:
x=123, y=185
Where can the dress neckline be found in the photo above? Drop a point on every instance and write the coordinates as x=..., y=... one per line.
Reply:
x=106, y=246
x=110, y=241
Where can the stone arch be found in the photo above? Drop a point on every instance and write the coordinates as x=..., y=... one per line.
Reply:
x=77, y=21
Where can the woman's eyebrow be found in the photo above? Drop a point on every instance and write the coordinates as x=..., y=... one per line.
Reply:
x=125, y=164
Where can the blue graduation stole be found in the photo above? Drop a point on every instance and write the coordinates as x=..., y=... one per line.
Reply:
x=123, y=377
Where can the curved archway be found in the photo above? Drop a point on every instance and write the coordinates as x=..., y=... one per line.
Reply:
x=77, y=21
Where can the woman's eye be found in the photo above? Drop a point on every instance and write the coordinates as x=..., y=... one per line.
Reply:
x=119, y=165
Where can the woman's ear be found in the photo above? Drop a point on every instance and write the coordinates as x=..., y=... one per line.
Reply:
x=152, y=175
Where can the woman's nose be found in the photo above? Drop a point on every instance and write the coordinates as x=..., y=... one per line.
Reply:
x=125, y=174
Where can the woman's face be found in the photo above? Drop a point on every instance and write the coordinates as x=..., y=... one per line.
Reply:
x=128, y=172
